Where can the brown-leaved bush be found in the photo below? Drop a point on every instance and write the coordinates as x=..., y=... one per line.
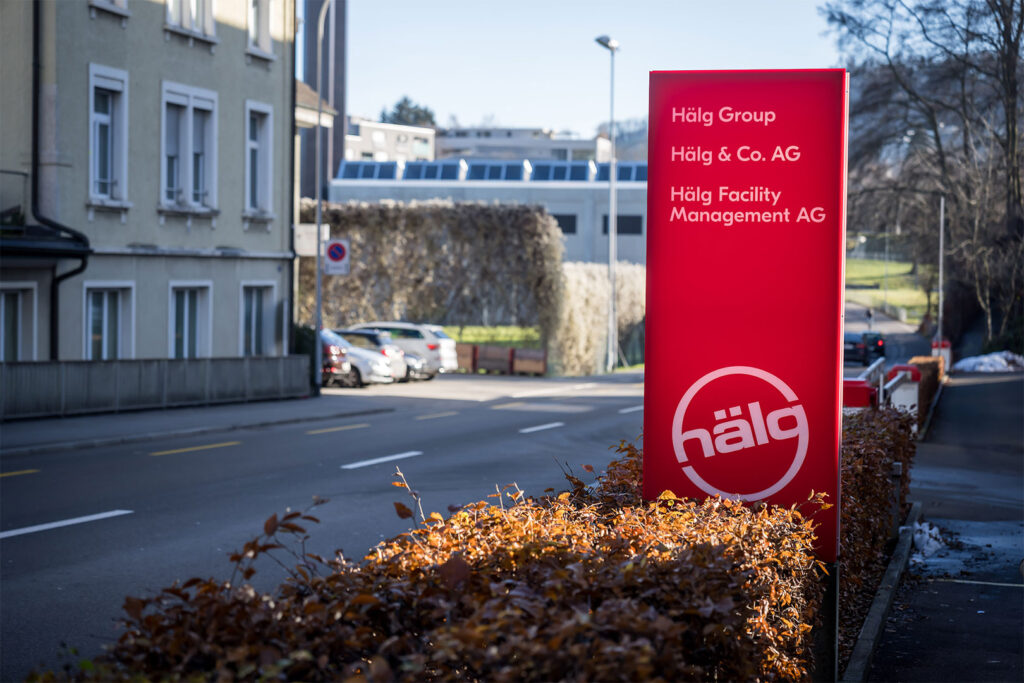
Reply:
x=590, y=584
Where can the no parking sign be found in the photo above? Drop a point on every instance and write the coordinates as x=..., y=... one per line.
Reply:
x=336, y=261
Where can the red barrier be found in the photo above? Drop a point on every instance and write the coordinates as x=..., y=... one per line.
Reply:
x=915, y=372
x=858, y=393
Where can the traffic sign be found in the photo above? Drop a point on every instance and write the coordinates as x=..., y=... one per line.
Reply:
x=745, y=246
x=337, y=261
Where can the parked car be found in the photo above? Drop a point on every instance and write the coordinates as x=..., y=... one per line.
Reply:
x=379, y=342
x=428, y=341
x=854, y=348
x=875, y=344
x=336, y=366
x=364, y=367
x=417, y=367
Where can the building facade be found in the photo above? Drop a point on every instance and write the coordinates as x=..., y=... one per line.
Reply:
x=368, y=140
x=146, y=186
x=574, y=192
x=519, y=143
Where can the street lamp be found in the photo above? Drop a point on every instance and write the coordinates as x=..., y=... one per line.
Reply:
x=612, y=46
x=317, y=343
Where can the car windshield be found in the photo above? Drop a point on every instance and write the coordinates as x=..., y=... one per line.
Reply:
x=330, y=337
x=439, y=333
x=360, y=340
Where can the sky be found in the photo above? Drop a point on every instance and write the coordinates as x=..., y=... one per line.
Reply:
x=535, y=63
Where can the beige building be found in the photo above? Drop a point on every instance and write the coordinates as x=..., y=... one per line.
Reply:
x=367, y=140
x=145, y=178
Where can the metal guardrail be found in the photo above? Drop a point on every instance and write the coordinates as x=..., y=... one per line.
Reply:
x=874, y=372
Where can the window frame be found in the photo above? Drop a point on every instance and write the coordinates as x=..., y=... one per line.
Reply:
x=204, y=317
x=192, y=99
x=192, y=17
x=125, y=316
x=257, y=39
x=24, y=290
x=114, y=81
x=265, y=160
x=268, y=334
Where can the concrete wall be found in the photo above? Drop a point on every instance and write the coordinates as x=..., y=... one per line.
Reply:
x=73, y=388
x=588, y=201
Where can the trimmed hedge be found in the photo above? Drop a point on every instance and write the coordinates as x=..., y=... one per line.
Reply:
x=468, y=263
x=590, y=584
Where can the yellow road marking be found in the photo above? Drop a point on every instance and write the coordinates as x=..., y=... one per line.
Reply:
x=19, y=472
x=437, y=415
x=338, y=429
x=198, y=448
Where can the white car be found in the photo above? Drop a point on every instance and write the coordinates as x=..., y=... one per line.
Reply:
x=365, y=368
x=427, y=341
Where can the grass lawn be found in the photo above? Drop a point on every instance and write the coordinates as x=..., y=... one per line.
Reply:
x=903, y=289
x=498, y=335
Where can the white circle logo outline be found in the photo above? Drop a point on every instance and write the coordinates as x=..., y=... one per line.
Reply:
x=677, y=432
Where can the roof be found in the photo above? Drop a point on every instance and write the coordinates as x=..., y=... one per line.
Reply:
x=306, y=98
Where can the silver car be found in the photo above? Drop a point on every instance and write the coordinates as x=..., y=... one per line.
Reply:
x=365, y=368
x=428, y=341
x=379, y=343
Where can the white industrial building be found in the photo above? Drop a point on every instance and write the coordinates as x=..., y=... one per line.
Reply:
x=574, y=192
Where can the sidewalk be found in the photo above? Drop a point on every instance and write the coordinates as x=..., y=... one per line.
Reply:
x=959, y=612
x=25, y=437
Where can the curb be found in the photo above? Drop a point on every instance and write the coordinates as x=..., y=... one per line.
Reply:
x=923, y=434
x=154, y=436
x=871, y=631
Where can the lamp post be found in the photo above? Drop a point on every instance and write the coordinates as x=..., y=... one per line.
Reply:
x=612, y=46
x=317, y=343
x=942, y=255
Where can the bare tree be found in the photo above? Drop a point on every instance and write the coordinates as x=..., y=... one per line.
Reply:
x=936, y=109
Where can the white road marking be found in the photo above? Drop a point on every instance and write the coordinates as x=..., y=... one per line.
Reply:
x=386, y=458
x=632, y=409
x=981, y=583
x=538, y=428
x=553, y=390
x=437, y=415
x=64, y=522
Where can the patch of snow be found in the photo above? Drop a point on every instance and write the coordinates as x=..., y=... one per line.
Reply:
x=927, y=540
x=998, y=361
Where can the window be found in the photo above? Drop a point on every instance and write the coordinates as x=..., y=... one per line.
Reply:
x=567, y=222
x=258, y=161
x=108, y=134
x=108, y=320
x=189, y=169
x=10, y=320
x=104, y=325
x=190, y=320
x=194, y=16
x=259, y=25
x=257, y=315
x=624, y=225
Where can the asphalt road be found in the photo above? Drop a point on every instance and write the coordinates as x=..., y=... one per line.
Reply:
x=178, y=506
